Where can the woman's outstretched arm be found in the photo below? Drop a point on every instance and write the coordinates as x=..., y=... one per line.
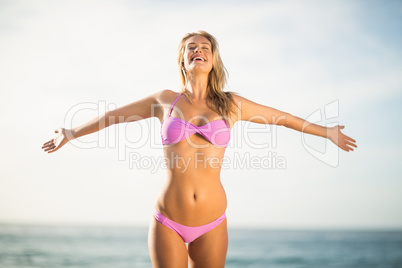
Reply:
x=142, y=109
x=257, y=113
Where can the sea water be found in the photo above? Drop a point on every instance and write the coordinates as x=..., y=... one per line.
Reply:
x=101, y=247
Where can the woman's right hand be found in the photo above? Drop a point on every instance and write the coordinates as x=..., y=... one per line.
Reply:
x=59, y=140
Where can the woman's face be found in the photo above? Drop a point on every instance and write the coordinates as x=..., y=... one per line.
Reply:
x=198, y=54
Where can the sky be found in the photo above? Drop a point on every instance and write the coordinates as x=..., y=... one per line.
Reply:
x=63, y=63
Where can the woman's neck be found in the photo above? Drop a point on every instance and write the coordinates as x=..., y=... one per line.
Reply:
x=197, y=87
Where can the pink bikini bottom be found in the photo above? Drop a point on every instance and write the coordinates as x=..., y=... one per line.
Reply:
x=187, y=233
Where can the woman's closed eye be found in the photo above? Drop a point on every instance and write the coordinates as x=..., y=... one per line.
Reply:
x=205, y=48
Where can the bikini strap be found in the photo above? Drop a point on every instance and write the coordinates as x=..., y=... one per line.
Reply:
x=171, y=108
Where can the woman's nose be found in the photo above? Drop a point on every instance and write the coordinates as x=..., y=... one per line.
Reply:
x=197, y=49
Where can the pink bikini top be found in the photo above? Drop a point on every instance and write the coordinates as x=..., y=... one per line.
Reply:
x=174, y=130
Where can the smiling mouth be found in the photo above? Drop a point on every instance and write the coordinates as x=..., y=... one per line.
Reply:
x=198, y=59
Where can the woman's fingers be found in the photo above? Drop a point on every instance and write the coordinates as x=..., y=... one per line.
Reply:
x=347, y=145
x=351, y=144
x=349, y=139
x=347, y=142
x=346, y=148
x=50, y=148
x=52, y=142
x=50, y=145
x=47, y=143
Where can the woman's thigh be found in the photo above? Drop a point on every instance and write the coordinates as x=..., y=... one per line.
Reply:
x=166, y=247
x=209, y=250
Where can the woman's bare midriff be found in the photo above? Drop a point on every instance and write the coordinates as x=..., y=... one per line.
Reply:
x=193, y=194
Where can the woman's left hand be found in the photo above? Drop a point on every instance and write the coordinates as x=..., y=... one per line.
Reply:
x=341, y=140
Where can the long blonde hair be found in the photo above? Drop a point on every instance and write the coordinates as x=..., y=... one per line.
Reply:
x=219, y=101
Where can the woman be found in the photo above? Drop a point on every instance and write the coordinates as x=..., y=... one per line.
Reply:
x=195, y=131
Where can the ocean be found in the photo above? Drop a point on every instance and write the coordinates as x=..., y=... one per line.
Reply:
x=101, y=247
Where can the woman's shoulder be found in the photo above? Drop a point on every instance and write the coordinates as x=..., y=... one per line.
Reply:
x=242, y=100
x=166, y=95
x=237, y=97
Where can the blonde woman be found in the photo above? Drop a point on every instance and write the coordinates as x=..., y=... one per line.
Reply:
x=195, y=130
